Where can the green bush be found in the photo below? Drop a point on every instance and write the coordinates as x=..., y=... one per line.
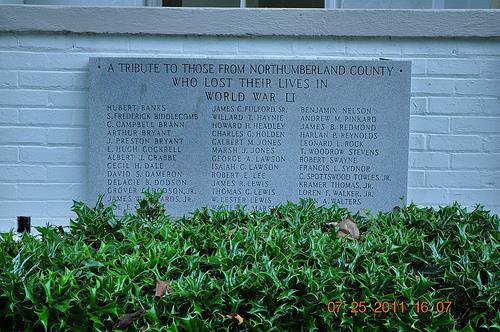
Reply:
x=256, y=271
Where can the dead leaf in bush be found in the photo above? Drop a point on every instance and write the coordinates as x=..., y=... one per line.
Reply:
x=348, y=228
x=236, y=317
x=127, y=319
x=162, y=287
x=231, y=232
x=144, y=328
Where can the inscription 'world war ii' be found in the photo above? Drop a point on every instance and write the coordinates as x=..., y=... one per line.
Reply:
x=254, y=132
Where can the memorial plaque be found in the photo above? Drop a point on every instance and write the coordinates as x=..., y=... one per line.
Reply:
x=252, y=132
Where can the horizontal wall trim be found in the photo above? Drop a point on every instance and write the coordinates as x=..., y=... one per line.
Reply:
x=251, y=22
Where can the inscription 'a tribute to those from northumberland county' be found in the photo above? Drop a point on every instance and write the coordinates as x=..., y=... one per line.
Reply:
x=252, y=132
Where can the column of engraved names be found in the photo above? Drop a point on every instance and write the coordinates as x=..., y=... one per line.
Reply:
x=358, y=134
x=246, y=143
x=145, y=141
x=336, y=149
x=122, y=147
x=317, y=145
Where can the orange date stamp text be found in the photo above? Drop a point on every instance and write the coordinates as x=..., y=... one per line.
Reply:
x=387, y=307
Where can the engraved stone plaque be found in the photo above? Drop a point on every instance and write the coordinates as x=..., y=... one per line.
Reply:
x=252, y=132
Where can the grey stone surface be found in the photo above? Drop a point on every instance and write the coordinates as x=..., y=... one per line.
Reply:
x=252, y=132
x=251, y=22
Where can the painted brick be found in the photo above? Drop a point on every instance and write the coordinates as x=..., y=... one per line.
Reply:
x=453, y=67
x=53, y=80
x=419, y=159
x=475, y=125
x=8, y=79
x=23, y=97
x=461, y=84
x=418, y=66
x=22, y=173
x=428, y=196
x=7, y=225
x=9, y=115
x=264, y=46
x=494, y=209
x=45, y=41
x=50, y=191
x=12, y=209
x=55, y=61
x=170, y=44
x=217, y=45
x=428, y=48
x=416, y=178
x=475, y=47
x=488, y=88
x=60, y=155
x=454, y=142
x=378, y=47
x=417, y=141
x=477, y=106
x=68, y=99
x=475, y=160
x=473, y=196
x=432, y=86
x=8, y=41
x=491, y=143
x=418, y=105
x=45, y=116
x=60, y=220
x=319, y=47
x=67, y=136
x=66, y=173
x=490, y=68
x=429, y=124
x=451, y=179
x=8, y=191
x=60, y=209
x=94, y=42
x=9, y=154
x=13, y=135
x=490, y=179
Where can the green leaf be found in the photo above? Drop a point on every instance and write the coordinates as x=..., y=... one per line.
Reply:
x=43, y=316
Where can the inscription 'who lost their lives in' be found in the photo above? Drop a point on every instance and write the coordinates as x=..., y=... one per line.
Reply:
x=212, y=132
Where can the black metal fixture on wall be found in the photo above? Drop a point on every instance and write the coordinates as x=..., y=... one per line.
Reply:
x=23, y=224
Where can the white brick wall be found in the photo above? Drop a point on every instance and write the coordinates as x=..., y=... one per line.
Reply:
x=455, y=111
